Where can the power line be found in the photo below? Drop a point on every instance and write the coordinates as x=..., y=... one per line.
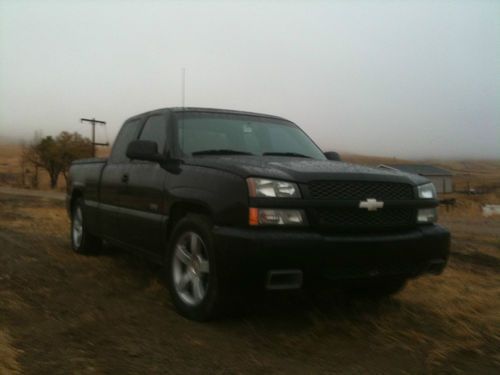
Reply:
x=93, y=122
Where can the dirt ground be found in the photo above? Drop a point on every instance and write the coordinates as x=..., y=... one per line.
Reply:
x=62, y=313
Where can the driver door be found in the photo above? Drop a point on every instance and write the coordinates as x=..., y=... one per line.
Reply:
x=143, y=217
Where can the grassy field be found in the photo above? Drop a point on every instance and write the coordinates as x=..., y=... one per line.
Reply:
x=11, y=168
x=467, y=173
x=63, y=313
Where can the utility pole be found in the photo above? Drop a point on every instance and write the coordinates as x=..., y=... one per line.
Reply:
x=183, y=87
x=93, y=122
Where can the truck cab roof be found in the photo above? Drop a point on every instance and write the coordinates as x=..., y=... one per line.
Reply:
x=206, y=110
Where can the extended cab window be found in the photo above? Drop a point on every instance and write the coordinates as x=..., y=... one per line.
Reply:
x=155, y=130
x=127, y=134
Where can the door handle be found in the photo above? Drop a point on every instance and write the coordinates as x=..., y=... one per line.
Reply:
x=125, y=178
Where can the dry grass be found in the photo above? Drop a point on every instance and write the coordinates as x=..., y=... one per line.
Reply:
x=371, y=160
x=8, y=355
x=35, y=215
x=10, y=168
x=461, y=311
x=445, y=324
x=440, y=320
x=467, y=174
x=469, y=206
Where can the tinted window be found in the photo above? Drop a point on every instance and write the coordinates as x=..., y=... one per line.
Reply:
x=155, y=130
x=127, y=134
x=200, y=132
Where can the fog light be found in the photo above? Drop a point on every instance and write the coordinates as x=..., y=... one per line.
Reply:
x=271, y=216
x=427, y=215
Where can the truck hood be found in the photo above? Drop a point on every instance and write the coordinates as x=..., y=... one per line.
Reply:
x=301, y=170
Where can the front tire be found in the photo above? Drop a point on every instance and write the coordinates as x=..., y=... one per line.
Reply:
x=82, y=241
x=191, y=269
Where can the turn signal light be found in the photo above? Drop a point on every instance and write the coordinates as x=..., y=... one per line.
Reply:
x=271, y=216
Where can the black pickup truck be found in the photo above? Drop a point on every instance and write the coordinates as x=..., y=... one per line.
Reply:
x=228, y=200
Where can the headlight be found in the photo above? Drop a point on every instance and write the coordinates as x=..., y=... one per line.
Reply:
x=427, y=191
x=427, y=215
x=264, y=188
x=272, y=216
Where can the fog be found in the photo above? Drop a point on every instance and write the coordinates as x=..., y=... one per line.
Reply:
x=408, y=79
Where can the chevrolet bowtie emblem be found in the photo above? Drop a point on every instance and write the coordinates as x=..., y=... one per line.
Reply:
x=371, y=204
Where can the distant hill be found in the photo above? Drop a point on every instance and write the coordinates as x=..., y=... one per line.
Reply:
x=467, y=173
x=6, y=140
x=371, y=160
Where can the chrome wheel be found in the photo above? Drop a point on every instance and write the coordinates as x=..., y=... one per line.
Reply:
x=190, y=268
x=77, y=229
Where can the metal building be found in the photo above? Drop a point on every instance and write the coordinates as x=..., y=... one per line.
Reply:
x=441, y=178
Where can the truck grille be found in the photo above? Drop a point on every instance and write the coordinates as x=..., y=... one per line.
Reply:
x=360, y=190
x=388, y=217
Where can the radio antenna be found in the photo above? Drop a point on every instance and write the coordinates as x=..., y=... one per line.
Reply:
x=183, y=87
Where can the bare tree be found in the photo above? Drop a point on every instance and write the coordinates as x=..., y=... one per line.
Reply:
x=44, y=154
x=55, y=155
x=72, y=146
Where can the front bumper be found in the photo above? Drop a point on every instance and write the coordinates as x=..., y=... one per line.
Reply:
x=248, y=254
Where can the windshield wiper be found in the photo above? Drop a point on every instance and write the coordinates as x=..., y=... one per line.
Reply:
x=293, y=154
x=221, y=152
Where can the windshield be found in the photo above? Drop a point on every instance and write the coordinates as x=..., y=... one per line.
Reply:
x=226, y=134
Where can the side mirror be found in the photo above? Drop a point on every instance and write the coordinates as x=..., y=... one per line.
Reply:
x=332, y=155
x=144, y=150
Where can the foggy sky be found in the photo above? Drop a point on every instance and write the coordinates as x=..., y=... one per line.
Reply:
x=394, y=78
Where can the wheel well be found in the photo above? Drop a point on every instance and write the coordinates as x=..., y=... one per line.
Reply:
x=74, y=196
x=179, y=210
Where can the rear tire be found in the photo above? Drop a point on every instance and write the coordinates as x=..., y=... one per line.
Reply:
x=82, y=241
x=191, y=269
